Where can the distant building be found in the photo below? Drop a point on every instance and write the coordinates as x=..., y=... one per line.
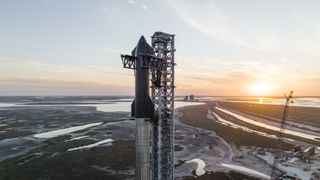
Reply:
x=186, y=98
x=261, y=151
x=191, y=97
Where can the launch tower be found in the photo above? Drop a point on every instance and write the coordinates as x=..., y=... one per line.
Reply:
x=163, y=99
x=154, y=116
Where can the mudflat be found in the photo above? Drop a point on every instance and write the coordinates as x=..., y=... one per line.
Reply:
x=197, y=116
x=306, y=115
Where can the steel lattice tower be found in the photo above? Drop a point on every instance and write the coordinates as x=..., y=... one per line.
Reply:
x=163, y=99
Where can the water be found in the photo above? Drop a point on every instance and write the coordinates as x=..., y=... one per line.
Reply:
x=89, y=146
x=287, y=131
x=246, y=170
x=126, y=106
x=231, y=124
x=300, y=102
x=64, y=131
x=77, y=138
x=6, y=104
x=201, y=164
x=112, y=106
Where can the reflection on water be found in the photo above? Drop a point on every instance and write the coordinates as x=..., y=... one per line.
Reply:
x=112, y=107
x=246, y=170
x=231, y=124
x=126, y=106
x=267, y=126
x=260, y=100
x=304, y=102
x=6, y=104
x=60, y=132
x=89, y=146
x=115, y=106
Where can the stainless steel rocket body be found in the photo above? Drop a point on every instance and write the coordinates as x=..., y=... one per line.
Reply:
x=142, y=110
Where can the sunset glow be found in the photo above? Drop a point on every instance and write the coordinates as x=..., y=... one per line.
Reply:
x=260, y=89
x=223, y=49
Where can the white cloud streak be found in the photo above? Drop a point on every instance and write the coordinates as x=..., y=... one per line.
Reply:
x=36, y=75
x=271, y=33
x=131, y=2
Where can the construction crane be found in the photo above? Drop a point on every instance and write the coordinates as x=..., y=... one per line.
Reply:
x=277, y=154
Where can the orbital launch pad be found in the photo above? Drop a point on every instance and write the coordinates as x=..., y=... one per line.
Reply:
x=154, y=115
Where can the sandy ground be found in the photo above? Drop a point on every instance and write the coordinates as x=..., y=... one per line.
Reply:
x=198, y=143
x=263, y=114
x=211, y=147
x=246, y=142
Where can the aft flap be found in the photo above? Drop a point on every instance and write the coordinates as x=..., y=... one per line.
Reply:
x=133, y=108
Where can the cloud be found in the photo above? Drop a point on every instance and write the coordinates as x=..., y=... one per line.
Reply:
x=78, y=75
x=35, y=77
x=213, y=76
x=41, y=86
x=301, y=86
x=255, y=28
x=232, y=76
x=144, y=7
x=206, y=17
x=231, y=83
x=111, y=12
x=264, y=68
x=131, y=2
x=210, y=64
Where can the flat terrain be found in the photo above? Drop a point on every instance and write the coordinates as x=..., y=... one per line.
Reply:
x=23, y=156
x=247, y=135
x=54, y=163
x=307, y=115
x=231, y=175
x=197, y=116
x=26, y=157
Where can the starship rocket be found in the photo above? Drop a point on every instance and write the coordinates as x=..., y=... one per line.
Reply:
x=142, y=106
x=142, y=109
x=153, y=145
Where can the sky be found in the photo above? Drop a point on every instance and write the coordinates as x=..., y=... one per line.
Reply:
x=223, y=48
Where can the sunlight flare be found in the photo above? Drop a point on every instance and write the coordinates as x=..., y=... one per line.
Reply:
x=261, y=89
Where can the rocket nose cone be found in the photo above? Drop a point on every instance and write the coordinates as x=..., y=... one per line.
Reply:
x=142, y=47
x=142, y=42
x=142, y=39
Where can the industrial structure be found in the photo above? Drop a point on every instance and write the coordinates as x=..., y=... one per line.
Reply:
x=277, y=154
x=154, y=116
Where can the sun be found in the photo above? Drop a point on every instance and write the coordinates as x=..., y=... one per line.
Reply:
x=260, y=89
